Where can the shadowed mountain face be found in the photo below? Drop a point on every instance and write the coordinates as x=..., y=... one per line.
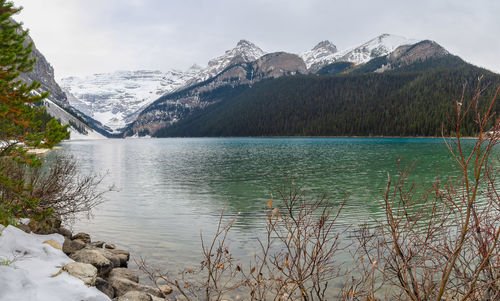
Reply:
x=43, y=72
x=57, y=104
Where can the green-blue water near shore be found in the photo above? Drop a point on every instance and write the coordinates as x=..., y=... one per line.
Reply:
x=168, y=190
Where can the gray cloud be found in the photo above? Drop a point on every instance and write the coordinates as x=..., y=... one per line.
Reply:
x=82, y=37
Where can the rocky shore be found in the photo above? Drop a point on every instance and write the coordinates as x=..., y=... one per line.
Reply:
x=98, y=263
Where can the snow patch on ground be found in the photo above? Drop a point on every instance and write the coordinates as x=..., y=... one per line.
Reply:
x=26, y=267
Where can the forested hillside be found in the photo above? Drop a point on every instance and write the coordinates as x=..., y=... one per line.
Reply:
x=414, y=100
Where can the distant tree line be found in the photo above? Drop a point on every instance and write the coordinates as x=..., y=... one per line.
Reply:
x=411, y=101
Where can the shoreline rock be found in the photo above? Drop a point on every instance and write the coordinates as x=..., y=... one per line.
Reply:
x=99, y=264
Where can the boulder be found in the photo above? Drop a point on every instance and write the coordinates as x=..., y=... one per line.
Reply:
x=104, y=287
x=82, y=236
x=95, y=258
x=83, y=271
x=123, y=260
x=123, y=285
x=71, y=246
x=115, y=259
x=123, y=252
x=64, y=232
x=98, y=244
x=110, y=246
x=54, y=244
x=124, y=273
x=135, y=296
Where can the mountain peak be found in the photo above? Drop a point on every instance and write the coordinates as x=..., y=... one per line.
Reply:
x=326, y=45
x=246, y=43
x=321, y=54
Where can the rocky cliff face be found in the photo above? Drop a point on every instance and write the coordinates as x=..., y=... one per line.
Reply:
x=43, y=72
x=57, y=104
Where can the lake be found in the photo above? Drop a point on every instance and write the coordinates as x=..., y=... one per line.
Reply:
x=168, y=190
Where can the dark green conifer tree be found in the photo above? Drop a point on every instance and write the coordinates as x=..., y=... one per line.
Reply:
x=21, y=125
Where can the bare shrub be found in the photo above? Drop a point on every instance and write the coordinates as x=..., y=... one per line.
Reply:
x=217, y=275
x=441, y=242
x=295, y=260
x=59, y=189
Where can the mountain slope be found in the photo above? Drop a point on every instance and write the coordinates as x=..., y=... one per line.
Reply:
x=171, y=108
x=395, y=103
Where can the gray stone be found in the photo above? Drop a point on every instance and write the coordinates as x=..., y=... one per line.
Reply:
x=83, y=271
x=115, y=259
x=71, y=246
x=104, y=287
x=95, y=258
x=135, y=296
x=124, y=273
x=123, y=285
x=123, y=260
x=98, y=244
x=64, y=232
x=82, y=236
x=127, y=253
x=110, y=246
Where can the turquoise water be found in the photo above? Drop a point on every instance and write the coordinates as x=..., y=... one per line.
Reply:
x=168, y=190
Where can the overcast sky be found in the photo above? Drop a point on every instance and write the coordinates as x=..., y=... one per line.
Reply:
x=81, y=37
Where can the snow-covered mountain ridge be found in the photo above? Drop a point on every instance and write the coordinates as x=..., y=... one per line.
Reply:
x=326, y=53
x=116, y=99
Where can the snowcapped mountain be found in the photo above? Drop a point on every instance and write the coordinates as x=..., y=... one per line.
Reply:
x=322, y=54
x=379, y=46
x=244, y=52
x=326, y=53
x=115, y=98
